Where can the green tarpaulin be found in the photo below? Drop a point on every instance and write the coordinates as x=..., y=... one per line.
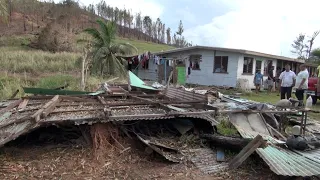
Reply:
x=53, y=92
x=135, y=81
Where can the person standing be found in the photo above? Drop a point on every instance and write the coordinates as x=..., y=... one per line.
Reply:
x=287, y=80
x=258, y=80
x=318, y=82
x=270, y=80
x=301, y=83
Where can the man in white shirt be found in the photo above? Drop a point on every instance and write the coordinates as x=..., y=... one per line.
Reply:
x=301, y=83
x=287, y=81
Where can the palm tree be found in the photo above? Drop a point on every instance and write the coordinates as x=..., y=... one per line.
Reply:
x=107, y=54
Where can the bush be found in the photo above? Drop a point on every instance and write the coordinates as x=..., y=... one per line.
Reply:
x=55, y=38
x=59, y=80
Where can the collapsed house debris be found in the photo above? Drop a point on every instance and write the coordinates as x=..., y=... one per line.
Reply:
x=177, y=123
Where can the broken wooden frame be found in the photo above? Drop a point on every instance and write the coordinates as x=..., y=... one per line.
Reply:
x=246, y=152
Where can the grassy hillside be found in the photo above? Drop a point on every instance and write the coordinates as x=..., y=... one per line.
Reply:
x=22, y=66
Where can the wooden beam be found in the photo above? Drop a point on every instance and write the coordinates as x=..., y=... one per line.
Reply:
x=37, y=115
x=166, y=108
x=106, y=109
x=51, y=107
x=176, y=114
x=14, y=94
x=246, y=152
x=23, y=104
x=11, y=106
x=101, y=100
x=78, y=99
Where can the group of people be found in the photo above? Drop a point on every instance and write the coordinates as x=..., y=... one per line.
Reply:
x=287, y=81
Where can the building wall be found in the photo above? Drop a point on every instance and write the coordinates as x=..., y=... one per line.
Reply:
x=205, y=75
x=148, y=74
x=250, y=77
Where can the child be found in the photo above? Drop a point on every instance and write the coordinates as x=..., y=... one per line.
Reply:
x=258, y=80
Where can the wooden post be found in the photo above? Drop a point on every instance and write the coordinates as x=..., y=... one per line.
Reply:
x=246, y=152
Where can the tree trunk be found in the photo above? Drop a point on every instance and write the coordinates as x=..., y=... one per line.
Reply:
x=82, y=85
x=229, y=142
x=24, y=23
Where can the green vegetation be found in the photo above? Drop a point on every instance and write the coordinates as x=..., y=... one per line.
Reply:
x=226, y=128
x=105, y=50
x=23, y=66
x=36, y=61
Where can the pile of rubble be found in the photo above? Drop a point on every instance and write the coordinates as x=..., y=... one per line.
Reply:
x=177, y=123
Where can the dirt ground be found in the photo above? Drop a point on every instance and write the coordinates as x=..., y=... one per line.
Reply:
x=70, y=162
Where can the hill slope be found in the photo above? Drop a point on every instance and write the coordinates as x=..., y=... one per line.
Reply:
x=23, y=66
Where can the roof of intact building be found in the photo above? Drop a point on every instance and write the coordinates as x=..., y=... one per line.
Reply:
x=242, y=51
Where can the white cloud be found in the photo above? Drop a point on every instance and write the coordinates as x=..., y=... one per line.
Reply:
x=146, y=7
x=267, y=26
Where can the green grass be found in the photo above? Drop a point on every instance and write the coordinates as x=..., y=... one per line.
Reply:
x=273, y=98
x=16, y=40
x=17, y=60
x=21, y=66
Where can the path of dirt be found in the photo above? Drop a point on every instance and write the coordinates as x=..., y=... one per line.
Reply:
x=78, y=163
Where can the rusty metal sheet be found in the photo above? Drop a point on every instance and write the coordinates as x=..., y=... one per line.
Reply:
x=175, y=93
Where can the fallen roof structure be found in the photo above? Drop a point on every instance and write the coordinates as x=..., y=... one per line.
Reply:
x=20, y=116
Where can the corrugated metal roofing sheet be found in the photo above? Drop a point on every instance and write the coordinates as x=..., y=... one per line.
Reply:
x=280, y=160
x=288, y=163
x=175, y=93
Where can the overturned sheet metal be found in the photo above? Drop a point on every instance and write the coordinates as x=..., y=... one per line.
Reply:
x=175, y=93
x=288, y=163
x=280, y=160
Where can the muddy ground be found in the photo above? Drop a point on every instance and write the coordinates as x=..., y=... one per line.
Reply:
x=78, y=162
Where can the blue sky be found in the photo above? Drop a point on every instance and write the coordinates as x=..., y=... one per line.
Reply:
x=267, y=26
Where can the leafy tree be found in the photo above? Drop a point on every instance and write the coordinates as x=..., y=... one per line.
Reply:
x=316, y=53
x=106, y=53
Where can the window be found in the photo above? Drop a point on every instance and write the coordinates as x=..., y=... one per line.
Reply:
x=247, y=65
x=220, y=64
x=267, y=66
x=258, y=65
x=195, y=62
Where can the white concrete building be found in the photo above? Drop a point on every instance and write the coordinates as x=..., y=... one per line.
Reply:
x=225, y=67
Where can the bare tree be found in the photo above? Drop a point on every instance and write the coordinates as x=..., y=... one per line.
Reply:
x=310, y=41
